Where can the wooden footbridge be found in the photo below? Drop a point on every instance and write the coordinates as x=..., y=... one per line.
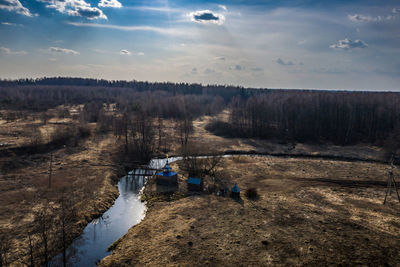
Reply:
x=143, y=172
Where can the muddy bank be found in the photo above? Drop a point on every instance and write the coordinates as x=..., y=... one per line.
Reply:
x=301, y=218
x=88, y=177
x=92, y=245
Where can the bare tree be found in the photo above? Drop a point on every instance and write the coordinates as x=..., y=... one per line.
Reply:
x=43, y=222
x=185, y=128
x=66, y=215
x=31, y=258
x=160, y=127
x=4, y=248
x=196, y=165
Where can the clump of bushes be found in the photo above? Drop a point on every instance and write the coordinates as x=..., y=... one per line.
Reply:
x=252, y=194
x=220, y=128
x=69, y=134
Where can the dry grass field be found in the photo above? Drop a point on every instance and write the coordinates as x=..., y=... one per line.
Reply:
x=85, y=173
x=310, y=212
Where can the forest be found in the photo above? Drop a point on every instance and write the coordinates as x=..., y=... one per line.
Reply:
x=338, y=117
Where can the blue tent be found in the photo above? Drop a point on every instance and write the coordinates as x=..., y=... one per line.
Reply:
x=196, y=181
x=195, y=184
x=235, y=193
x=236, y=189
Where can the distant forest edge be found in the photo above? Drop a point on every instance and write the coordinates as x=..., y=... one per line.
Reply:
x=340, y=117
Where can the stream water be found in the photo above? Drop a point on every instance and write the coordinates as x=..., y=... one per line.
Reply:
x=99, y=234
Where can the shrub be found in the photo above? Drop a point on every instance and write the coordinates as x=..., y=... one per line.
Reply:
x=252, y=194
x=220, y=128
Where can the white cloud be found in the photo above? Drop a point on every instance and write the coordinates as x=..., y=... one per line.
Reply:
x=110, y=3
x=207, y=17
x=78, y=8
x=359, y=18
x=396, y=10
x=63, y=50
x=348, y=44
x=155, y=9
x=140, y=54
x=15, y=6
x=167, y=31
x=11, y=24
x=8, y=51
x=125, y=52
x=222, y=7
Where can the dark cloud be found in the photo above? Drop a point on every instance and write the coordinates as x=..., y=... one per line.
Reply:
x=334, y=71
x=206, y=17
x=125, y=52
x=348, y=44
x=89, y=12
x=209, y=71
x=238, y=67
x=257, y=69
x=284, y=63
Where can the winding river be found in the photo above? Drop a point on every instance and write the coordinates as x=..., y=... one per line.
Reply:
x=127, y=211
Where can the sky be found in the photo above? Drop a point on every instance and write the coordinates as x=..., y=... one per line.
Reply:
x=335, y=44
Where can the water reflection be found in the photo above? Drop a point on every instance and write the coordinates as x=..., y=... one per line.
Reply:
x=127, y=211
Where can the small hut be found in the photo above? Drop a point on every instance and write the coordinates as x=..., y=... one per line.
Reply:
x=167, y=176
x=235, y=192
x=194, y=184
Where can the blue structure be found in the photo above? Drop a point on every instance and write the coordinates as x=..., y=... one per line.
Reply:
x=235, y=192
x=195, y=184
x=167, y=176
x=167, y=171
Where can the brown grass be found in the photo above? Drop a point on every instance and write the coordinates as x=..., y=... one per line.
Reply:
x=294, y=189
x=86, y=172
x=310, y=212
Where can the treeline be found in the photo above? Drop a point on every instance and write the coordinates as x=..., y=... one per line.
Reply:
x=290, y=115
x=339, y=117
x=41, y=94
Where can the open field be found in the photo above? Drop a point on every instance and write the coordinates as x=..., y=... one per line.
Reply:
x=84, y=172
x=87, y=171
x=310, y=212
x=85, y=175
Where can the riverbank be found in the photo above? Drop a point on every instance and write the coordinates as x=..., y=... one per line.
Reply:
x=310, y=211
x=85, y=174
x=89, y=173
